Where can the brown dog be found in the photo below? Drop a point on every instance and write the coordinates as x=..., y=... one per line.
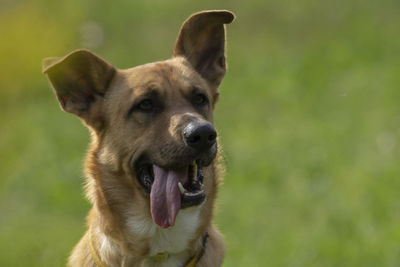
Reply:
x=152, y=171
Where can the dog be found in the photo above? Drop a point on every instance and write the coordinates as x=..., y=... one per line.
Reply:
x=152, y=169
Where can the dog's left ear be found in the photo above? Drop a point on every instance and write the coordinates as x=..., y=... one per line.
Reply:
x=201, y=41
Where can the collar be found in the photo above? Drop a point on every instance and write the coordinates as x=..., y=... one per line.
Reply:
x=93, y=252
x=196, y=258
x=159, y=257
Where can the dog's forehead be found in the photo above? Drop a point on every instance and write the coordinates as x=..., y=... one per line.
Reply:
x=173, y=75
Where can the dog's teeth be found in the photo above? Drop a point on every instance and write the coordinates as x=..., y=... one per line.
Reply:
x=195, y=172
x=181, y=188
x=200, y=175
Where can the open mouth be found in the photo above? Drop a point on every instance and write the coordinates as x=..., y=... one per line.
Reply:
x=171, y=189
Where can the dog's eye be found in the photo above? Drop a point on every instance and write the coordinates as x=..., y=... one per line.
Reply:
x=145, y=105
x=200, y=99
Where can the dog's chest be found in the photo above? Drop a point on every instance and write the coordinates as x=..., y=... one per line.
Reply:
x=171, y=240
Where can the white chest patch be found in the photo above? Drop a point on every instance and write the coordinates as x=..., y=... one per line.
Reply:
x=172, y=240
x=176, y=238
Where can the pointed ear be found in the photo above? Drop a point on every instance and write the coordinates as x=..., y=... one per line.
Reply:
x=201, y=41
x=79, y=80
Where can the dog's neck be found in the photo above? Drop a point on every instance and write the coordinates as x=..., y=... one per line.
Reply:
x=119, y=234
x=166, y=249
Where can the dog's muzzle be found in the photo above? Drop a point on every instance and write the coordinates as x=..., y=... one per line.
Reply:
x=174, y=180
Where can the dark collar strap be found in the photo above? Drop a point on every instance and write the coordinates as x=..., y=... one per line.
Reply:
x=196, y=258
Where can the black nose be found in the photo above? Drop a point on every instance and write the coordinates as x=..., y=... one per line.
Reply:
x=200, y=135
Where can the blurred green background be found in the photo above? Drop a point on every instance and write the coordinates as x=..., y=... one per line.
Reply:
x=309, y=118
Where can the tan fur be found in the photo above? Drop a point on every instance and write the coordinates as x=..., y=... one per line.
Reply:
x=120, y=227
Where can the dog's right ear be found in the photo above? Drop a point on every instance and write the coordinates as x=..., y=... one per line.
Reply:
x=80, y=80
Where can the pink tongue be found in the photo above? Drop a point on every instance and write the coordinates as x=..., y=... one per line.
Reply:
x=165, y=197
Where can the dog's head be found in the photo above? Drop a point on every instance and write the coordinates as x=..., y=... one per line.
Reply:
x=154, y=122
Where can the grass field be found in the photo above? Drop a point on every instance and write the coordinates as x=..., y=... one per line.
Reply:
x=309, y=119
